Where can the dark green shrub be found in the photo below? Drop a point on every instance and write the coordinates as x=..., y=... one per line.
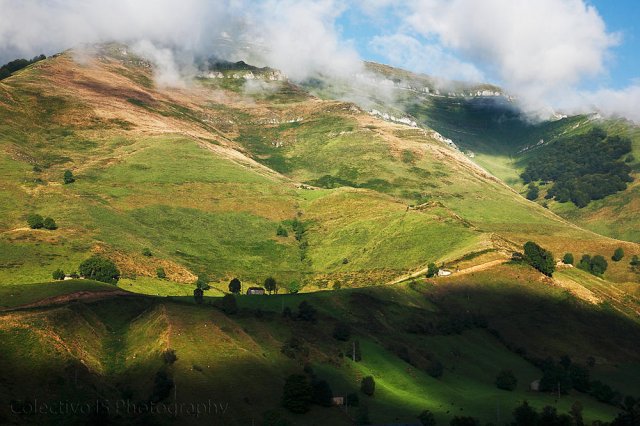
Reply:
x=368, y=385
x=539, y=258
x=533, y=192
x=618, y=254
x=58, y=274
x=282, y=232
x=68, y=177
x=147, y=252
x=49, y=224
x=568, y=259
x=426, y=418
x=35, y=221
x=160, y=273
x=235, y=286
x=432, y=270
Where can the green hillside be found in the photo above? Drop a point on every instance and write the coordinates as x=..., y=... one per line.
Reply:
x=114, y=349
x=486, y=125
x=227, y=177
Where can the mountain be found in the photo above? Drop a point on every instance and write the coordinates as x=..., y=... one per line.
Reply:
x=239, y=172
x=486, y=124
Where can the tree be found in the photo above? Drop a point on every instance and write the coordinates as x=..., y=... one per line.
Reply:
x=198, y=295
x=68, y=177
x=297, y=394
x=49, y=224
x=306, y=312
x=58, y=274
x=432, y=270
x=235, y=286
x=203, y=283
x=539, y=258
x=322, y=393
x=368, y=385
x=270, y=285
x=635, y=261
x=342, y=331
x=435, y=369
x=464, y=421
x=576, y=414
x=506, y=380
x=35, y=221
x=147, y=252
x=100, y=269
x=598, y=265
x=568, y=259
x=229, y=305
x=585, y=263
x=525, y=415
x=282, y=232
x=169, y=356
x=618, y=254
x=533, y=192
x=160, y=273
x=426, y=418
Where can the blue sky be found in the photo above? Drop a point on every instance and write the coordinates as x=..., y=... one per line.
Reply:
x=623, y=16
x=622, y=61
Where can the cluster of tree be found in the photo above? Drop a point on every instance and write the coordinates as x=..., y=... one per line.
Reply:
x=100, y=269
x=539, y=258
x=306, y=312
x=582, y=168
x=16, y=65
x=300, y=391
x=565, y=375
x=58, y=274
x=427, y=418
x=35, y=221
x=596, y=265
x=526, y=415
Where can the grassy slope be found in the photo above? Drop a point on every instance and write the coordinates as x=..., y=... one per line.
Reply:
x=236, y=359
x=155, y=169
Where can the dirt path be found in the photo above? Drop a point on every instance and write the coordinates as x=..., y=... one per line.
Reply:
x=466, y=271
x=84, y=296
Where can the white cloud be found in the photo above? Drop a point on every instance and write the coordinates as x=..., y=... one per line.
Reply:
x=538, y=49
x=298, y=37
x=608, y=102
x=429, y=58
